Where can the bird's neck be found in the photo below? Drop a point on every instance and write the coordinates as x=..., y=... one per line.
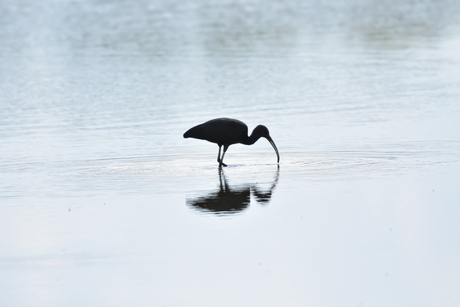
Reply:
x=251, y=139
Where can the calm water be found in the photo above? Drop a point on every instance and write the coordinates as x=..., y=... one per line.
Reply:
x=103, y=203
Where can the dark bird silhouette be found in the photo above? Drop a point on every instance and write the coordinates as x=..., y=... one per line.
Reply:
x=228, y=131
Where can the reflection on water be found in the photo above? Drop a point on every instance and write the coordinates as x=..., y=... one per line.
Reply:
x=229, y=200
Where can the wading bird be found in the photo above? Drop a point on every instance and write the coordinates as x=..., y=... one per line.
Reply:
x=228, y=131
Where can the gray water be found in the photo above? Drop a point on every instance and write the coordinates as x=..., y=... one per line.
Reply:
x=103, y=203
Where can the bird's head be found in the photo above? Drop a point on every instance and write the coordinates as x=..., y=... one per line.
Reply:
x=262, y=131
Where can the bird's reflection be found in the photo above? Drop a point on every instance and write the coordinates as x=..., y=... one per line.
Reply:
x=227, y=200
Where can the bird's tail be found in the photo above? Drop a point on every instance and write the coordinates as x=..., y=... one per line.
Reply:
x=197, y=132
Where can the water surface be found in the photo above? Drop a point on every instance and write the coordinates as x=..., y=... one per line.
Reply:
x=102, y=202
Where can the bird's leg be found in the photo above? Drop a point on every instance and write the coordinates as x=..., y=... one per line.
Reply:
x=223, y=154
x=218, y=154
x=218, y=157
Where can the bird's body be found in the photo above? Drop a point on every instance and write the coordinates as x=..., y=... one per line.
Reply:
x=228, y=131
x=222, y=131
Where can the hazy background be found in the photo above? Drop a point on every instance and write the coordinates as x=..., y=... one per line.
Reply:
x=103, y=203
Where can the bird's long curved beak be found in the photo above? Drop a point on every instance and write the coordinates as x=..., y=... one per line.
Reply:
x=274, y=147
